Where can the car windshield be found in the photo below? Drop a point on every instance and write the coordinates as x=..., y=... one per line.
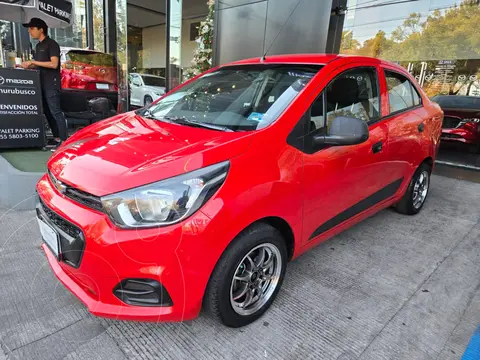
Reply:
x=90, y=58
x=153, y=81
x=238, y=98
x=458, y=102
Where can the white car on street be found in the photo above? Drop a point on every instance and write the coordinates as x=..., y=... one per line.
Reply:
x=145, y=89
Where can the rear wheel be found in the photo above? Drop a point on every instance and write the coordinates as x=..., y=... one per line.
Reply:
x=147, y=101
x=247, y=277
x=417, y=191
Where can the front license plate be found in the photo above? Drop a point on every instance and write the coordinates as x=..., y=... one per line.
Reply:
x=49, y=236
x=103, y=86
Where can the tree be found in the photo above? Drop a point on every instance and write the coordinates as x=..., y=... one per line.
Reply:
x=202, y=57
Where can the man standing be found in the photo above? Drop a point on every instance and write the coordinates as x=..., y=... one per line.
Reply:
x=47, y=60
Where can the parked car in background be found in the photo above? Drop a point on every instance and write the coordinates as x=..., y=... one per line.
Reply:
x=145, y=89
x=85, y=75
x=203, y=197
x=461, y=123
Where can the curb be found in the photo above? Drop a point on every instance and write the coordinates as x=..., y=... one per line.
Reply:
x=17, y=188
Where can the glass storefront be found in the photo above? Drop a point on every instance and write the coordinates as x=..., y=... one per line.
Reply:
x=151, y=59
x=438, y=42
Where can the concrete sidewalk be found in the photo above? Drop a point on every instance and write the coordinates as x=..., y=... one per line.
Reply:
x=393, y=287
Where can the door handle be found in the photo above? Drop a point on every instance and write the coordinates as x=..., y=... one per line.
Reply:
x=377, y=147
x=421, y=127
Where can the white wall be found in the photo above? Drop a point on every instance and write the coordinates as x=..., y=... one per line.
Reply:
x=153, y=39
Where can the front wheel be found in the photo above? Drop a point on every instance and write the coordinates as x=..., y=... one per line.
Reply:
x=417, y=191
x=247, y=277
x=147, y=101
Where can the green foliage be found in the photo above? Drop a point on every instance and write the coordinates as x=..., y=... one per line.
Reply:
x=448, y=35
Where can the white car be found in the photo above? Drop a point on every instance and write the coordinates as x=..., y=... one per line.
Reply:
x=145, y=89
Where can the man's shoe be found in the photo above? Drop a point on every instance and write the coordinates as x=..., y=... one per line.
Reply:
x=53, y=149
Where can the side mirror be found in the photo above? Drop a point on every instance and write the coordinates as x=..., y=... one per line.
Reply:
x=344, y=131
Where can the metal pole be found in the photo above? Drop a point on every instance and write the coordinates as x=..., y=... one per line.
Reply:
x=89, y=16
x=215, y=42
x=167, y=46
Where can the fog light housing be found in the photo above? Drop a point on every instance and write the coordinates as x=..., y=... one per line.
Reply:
x=142, y=292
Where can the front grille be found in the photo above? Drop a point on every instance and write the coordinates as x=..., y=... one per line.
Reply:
x=76, y=195
x=72, y=240
x=67, y=227
x=450, y=122
x=84, y=198
x=451, y=136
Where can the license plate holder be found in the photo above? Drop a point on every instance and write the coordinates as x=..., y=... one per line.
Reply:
x=50, y=237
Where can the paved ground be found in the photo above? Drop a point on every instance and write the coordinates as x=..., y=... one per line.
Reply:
x=393, y=287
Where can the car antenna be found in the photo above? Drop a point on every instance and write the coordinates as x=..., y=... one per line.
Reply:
x=264, y=57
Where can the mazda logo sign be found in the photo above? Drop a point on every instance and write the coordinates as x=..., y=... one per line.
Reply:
x=2, y=80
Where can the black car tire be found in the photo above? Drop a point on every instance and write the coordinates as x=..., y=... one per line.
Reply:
x=406, y=204
x=147, y=101
x=219, y=293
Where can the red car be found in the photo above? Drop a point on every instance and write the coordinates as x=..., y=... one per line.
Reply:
x=86, y=74
x=203, y=197
x=461, y=123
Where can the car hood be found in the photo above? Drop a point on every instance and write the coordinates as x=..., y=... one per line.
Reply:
x=128, y=150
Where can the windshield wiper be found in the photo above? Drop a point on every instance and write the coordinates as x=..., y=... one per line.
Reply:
x=185, y=121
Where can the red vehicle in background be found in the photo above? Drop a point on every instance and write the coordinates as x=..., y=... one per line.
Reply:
x=87, y=74
x=461, y=123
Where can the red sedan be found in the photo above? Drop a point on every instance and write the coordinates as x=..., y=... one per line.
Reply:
x=203, y=197
x=461, y=123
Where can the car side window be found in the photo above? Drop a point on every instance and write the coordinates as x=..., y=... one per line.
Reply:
x=353, y=93
x=136, y=81
x=402, y=94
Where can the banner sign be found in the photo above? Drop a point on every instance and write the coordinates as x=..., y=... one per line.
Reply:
x=21, y=110
x=58, y=9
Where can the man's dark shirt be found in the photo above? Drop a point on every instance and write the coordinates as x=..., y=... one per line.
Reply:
x=44, y=50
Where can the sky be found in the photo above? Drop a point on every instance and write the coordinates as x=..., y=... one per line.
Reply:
x=366, y=22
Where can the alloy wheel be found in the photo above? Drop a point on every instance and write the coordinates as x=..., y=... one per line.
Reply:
x=255, y=279
x=420, y=189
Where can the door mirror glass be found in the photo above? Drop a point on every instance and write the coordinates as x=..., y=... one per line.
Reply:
x=344, y=131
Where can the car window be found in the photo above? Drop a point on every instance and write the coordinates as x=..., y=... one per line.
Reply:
x=402, y=94
x=153, y=81
x=136, y=80
x=353, y=93
x=454, y=101
x=240, y=98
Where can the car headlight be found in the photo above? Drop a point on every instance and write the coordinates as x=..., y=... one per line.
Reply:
x=158, y=94
x=165, y=202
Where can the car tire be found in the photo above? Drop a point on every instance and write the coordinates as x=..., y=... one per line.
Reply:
x=147, y=101
x=225, y=294
x=415, y=196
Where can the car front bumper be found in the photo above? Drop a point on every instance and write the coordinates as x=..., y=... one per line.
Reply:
x=176, y=257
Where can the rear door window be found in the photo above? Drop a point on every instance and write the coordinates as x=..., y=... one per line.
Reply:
x=402, y=95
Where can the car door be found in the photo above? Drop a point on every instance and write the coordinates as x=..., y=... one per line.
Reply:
x=406, y=122
x=136, y=90
x=341, y=182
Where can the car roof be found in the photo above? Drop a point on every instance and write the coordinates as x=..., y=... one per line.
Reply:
x=311, y=59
